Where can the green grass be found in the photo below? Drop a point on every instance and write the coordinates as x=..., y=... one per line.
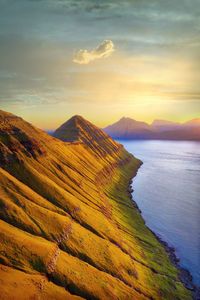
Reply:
x=73, y=198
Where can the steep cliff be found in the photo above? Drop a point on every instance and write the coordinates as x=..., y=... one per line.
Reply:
x=68, y=227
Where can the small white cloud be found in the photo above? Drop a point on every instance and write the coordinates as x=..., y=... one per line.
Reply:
x=103, y=50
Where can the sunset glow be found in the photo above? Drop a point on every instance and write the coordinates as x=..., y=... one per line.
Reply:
x=103, y=60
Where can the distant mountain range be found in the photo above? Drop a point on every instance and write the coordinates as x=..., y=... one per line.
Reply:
x=127, y=128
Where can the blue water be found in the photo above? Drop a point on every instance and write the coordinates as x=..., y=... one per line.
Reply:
x=167, y=190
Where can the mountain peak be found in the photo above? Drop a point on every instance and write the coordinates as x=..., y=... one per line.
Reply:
x=127, y=119
x=69, y=131
x=193, y=123
x=77, y=118
x=79, y=130
x=127, y=128
x=74, y=129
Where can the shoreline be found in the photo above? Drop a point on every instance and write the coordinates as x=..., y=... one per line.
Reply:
x=185, y=275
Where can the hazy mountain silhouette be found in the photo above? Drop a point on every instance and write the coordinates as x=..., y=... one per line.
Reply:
x=127, y=128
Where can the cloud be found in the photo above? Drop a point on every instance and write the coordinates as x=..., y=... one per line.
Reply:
x=103, y=50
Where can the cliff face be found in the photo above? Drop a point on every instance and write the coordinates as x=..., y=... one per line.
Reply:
x=68, y=228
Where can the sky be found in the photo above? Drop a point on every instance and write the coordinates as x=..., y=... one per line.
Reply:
x=100, y=59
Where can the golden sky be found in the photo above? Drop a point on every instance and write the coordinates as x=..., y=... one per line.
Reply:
x=100, y=59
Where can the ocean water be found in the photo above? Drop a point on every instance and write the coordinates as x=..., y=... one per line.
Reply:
x=167, y=190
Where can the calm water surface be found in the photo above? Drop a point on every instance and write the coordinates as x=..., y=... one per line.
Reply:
x=167, y=190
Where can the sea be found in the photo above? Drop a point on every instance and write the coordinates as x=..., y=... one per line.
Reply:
x=167, y=191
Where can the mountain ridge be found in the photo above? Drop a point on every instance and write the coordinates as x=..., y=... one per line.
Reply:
x=78, y=130
x=68, y=227
x=127, y=128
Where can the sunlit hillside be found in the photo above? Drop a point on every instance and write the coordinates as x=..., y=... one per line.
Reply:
x=68, y=227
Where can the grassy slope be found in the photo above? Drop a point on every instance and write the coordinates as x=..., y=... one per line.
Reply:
x=68, y=229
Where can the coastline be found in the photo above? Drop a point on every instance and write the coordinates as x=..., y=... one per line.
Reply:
x=67, y=220
x=185, y=275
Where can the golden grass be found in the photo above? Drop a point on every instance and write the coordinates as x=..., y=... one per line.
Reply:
x=66, y=217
